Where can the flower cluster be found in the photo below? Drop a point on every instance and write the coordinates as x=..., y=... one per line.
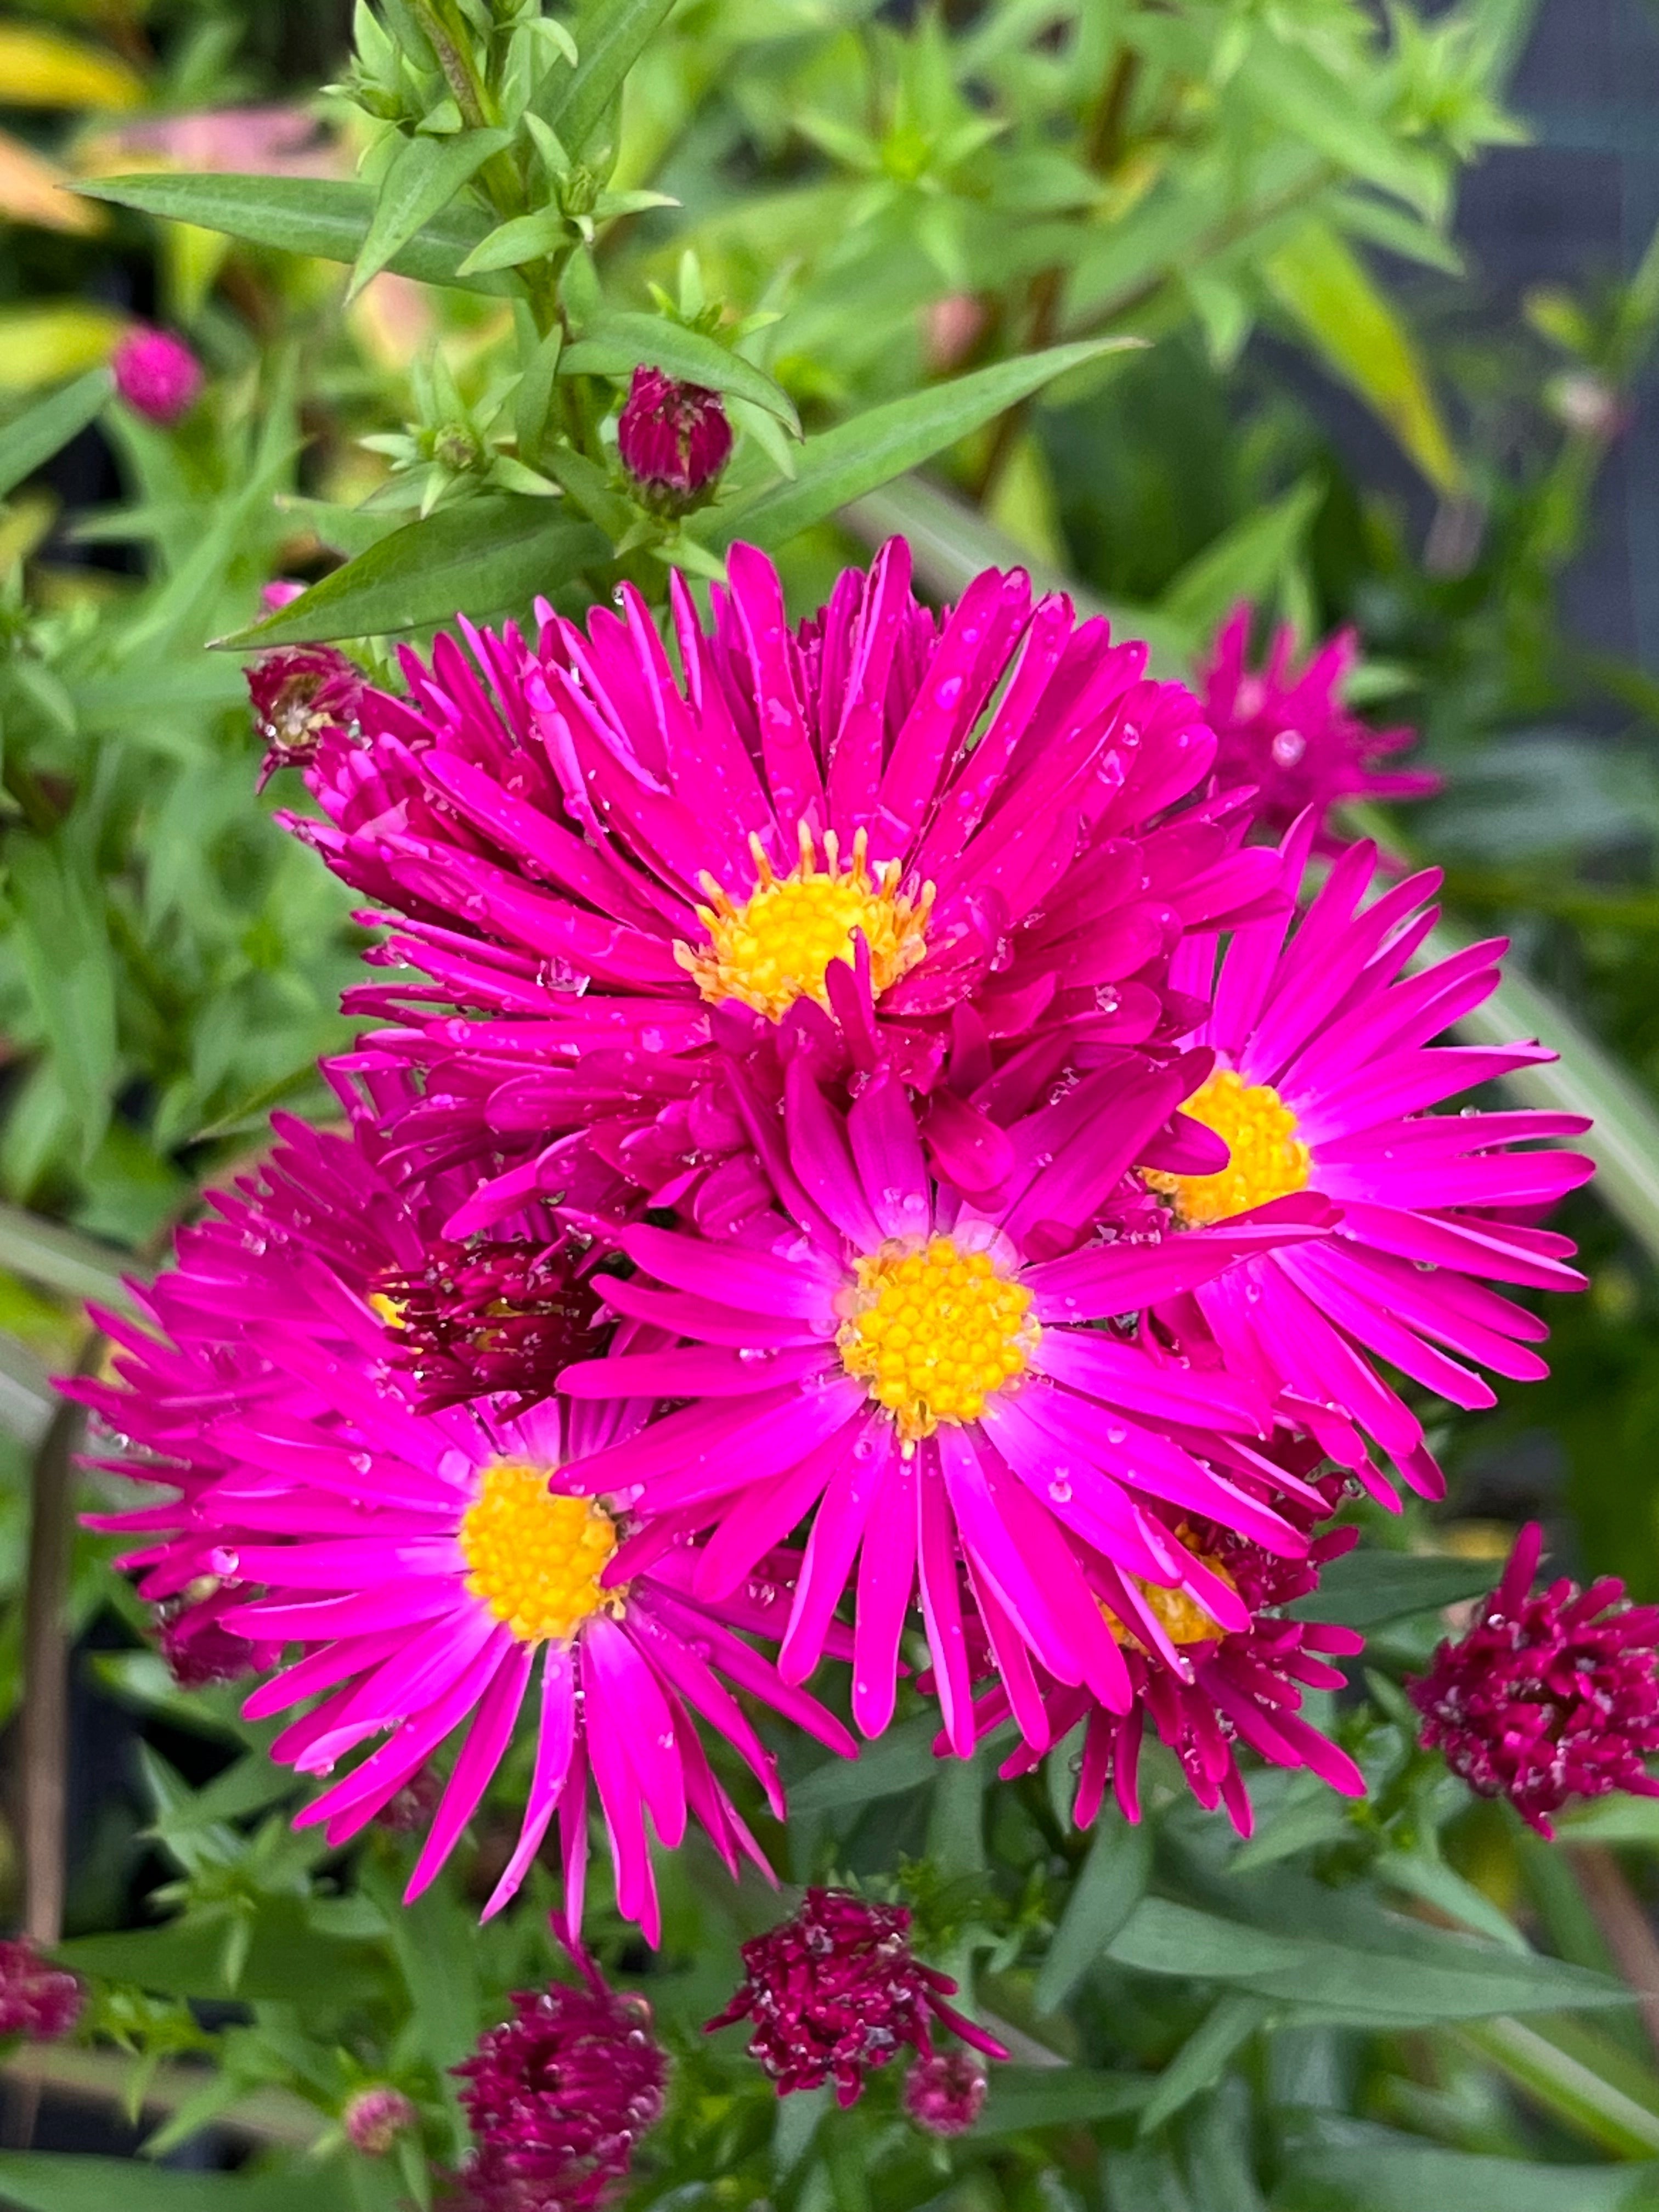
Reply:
x=862, y=1135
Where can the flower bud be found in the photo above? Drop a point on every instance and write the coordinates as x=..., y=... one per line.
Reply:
x=157, y=374
x=38, y=2002
x=945, y=2094
x=673, y=439
x=375, y=2119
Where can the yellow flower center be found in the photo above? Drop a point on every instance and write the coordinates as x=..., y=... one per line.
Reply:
x=936, y=1331
x=388, y=1310
x=1269, y=1160
x=780, y=944
x=1182, y=1619
x=534, y=1558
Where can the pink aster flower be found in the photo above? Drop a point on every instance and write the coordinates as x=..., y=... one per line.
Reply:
x=419, y=1559
x=157, y=374
x=558, y=2097
x=1550, y=1694
x=1287, y=732
x=1205, y=1688
x=837, y=1990
x=1324, y=1072
x=919, y=1373
x=673, y=439
x=864, y=831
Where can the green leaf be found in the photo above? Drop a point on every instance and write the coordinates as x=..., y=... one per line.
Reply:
x=856, y=457
x=488, y=555
x=1616, y=1819
x=618, y=344
x=27, y=1400
x=435, y=1942
x=510, y=245
x=1200, y=2060
x=901, y=1760
x=62, y=944
x=423, y=176
x=1585, y=2079
x=1052, y=2096
x=1304, y=99
x=348, y=530
x=59, y=1259
x=45, y=2181
x=48, y=426
x=1320, y=281
x=1366, y=1587
x=287, y=1961
x=1245, y=562
x=1110, y=1885
x=1344, y=1959
x=1337, y=2165
x=611, y=36
x=1443, y=1887
x=322, y=217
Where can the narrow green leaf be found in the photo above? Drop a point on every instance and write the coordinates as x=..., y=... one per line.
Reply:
x=287, y=1961
x=46, y=2181
x=1320, y=281
x=856, y=457
x=1200, y=2061
x=62, y=946
x=348, y=530
x=611, y=36
x=617, y=344
x=488, y=555
x=510, y=245
x=1330, y=2162
x=901, y=1760
x=1369, y=1587
x=1024, y=2097
x=324, y=217
x=1112, y=1882
x=950, y=542
x=1442, y=1887
x=1615, y=1819
x=1307, y=101
x=1597, y=2088
x=62, y=1260
x=422, y=179
x=27, y=1400
x=1244, y=563
x=532, y=403
x=35, y=436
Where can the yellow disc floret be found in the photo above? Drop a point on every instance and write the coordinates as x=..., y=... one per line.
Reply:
x=1269, y=1160
x=388, y=1310
x=935, y=1331
x=1181, y=1617
x=535, y=1559
x=780, y=944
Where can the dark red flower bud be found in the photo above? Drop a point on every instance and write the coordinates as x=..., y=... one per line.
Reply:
x=558, y=2097
x=38, y=2002
x=837, y=1989
x=487, y=1318
x=1551, y=1695
x=299, y=693
x=674, y=439
x=197, y=1648
x=945, y=2094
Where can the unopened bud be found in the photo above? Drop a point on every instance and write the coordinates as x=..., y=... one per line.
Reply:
x=674, y=439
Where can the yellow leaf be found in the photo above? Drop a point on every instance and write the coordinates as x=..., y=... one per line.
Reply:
x=1323, y=284
x=32, y=189
x=41, y=345
x=39, y=69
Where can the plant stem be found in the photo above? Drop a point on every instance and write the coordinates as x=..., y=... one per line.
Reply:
x=1625, y=1927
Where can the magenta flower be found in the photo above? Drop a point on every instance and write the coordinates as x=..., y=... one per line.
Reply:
x=599, y=869
x=1205, y=1688
x=1324, y=1070
x=1551, y=1695
x=1287, y=732
x=299, y=695
x=420, y=1560
x=558, y=2097
x=157, y=374
x=837, y=1990
x=945, y=2094
x=375, y=2117
x=673, y=439
x=918, y=1372
x=38, y=2002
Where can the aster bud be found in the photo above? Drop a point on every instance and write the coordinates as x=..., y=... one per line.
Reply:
x=38, y=2002
x=157, y=374
x=1550, y=1694
x=674, y=439
x=838, y=1989
x=297, y=694
x=944, y=2094
x=375, y=2119
x=558, y=2097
